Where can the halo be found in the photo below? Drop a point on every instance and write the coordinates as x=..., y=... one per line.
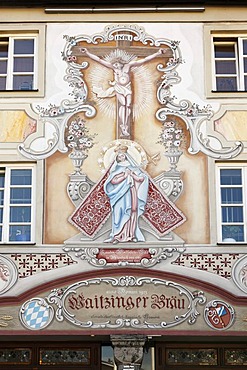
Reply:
x=108, y=153
x=120, y=56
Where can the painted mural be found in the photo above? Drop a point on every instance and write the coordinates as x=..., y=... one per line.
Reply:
x=121, y=155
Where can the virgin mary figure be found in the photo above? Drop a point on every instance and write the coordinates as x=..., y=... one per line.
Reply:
x=127, y=189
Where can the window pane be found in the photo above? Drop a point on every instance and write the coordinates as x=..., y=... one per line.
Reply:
x=226, y=83
x=21, y=177
x=1, y=230
x=236, y=357
x=62, y=356
x=2, y=176
x=15, y=356
x=24, y=46
x=2, y=83
x=224, y=51
x=20, y=196
x=232, y=214
x=1, y=215
x=23, y=82
x=231, y=196
x=235, y=232
x=1, y=197
x=245, y=47
x=245, y=65
x=3, y=66
x=187, y=356
x=23, y=64
x=107, y=357
x=20, y=214
x=4, y=48
x=231, y=177
x=19, y=233
x=225, y=67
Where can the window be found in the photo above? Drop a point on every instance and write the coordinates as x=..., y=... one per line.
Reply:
x=230, y=64
x=225, y=51
x=16, y=204
x=22, y=60
x=232, y=187
x=18, y=64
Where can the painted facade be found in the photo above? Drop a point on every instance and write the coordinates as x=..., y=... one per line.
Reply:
x=125, y=138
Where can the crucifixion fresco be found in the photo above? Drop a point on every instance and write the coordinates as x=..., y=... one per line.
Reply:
x=121, y=63
x=113, y=70
x=120, y=81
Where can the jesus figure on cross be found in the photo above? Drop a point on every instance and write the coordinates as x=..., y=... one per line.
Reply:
x=121, y=63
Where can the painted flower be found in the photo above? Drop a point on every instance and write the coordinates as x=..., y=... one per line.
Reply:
x=167, y=136
x=170, y=124
x=83, y=140
x=88, y=144
x=71, y=58
x=169, y=143
x=77, y=135
x=171, y=136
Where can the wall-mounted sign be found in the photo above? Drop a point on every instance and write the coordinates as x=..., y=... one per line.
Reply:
x=144, y=257
x=122, y=302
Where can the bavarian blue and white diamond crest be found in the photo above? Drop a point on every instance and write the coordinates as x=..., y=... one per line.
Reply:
x=36, y=315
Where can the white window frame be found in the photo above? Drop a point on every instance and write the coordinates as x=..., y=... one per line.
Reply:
x=243, y=167
x=6, y=204
x=27, y=31
x=10, y=61
x=239, y=62
x=238, y=32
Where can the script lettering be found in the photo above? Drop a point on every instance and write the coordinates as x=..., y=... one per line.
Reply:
x=79, y=301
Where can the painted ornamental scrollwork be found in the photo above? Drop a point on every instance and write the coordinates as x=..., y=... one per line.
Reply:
x=195, y=118
x=239, y=273
x=110, y=76
x=8, y=274
x=171, y=184
x=55, y=116
x=53, y=120
x=145, y=303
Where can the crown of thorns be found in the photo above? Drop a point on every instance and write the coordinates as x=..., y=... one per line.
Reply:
x=120, y=56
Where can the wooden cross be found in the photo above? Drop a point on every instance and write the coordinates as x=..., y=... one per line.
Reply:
x=121, y=86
